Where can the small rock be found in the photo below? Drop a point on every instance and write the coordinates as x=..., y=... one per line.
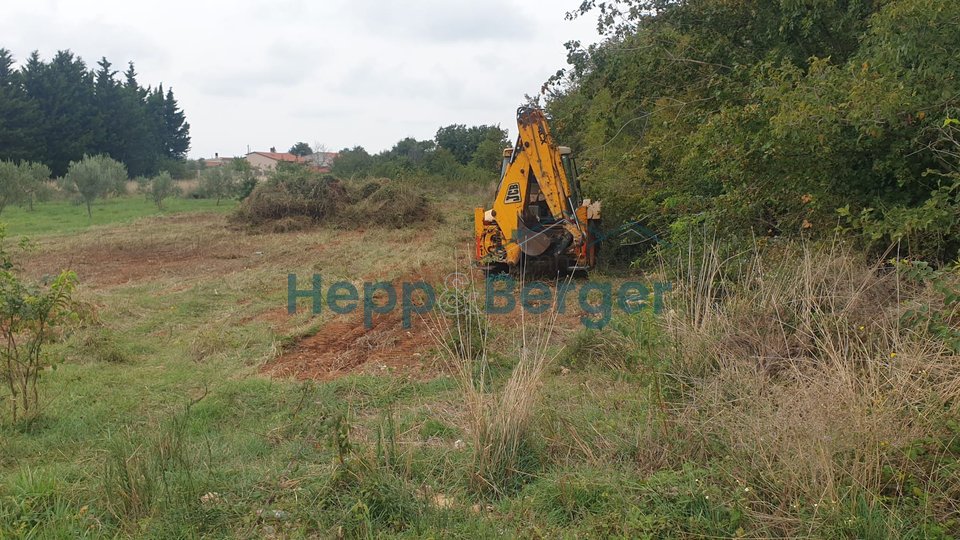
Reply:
x=459, y=444
x=442, y=501
x=278, y=515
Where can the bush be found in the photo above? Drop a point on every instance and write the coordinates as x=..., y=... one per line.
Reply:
x=30, y=318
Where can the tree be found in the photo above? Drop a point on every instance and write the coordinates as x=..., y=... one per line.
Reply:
x=64, y=93
x=33, y=182
x=162, y=187
x=246, y=179
x=20, y=119
x=218, y=182
x=352, y=162
x=488, y=155
x=175, y=132
x=11, y=190
x=463, y=141
x=301, y=149
x=21, y=183
x=94, y=176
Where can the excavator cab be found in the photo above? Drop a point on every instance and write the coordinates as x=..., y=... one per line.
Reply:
x=538, y=220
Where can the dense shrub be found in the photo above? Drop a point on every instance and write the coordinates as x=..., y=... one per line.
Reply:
x=767, y=118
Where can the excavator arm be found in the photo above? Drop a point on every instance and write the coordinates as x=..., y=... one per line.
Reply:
x=536, y=212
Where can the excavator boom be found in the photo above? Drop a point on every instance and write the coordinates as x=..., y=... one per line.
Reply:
x=537, y=217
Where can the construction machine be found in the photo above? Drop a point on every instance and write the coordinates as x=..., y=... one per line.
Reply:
x=538, y=222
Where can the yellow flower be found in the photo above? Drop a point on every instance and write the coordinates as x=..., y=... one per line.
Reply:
x=893, y=355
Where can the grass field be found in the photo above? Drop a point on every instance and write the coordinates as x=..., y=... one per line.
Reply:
x=170, y=417
x=59, y=217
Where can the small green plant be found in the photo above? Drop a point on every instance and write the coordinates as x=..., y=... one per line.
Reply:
x=940, y=321
x=30, y=316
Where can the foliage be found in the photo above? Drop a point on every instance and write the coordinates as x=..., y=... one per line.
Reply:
x=162, y=187
x=22, y=183
x=30, y=316
x=218, y=183
x=938, y=317
x=473, y=144
x=246, y=177
x=458, y=154
x=58, y=111
x=768, y=117
x=93, y=177
x=301, y=149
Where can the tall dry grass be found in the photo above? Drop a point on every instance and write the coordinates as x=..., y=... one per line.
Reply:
x=795, y=372
x=499, y=414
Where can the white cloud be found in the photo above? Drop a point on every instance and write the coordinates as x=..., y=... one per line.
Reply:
x=342, y=72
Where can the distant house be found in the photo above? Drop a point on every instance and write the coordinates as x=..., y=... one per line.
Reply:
x=266, y=162
x=321, y=160
x=217, y=161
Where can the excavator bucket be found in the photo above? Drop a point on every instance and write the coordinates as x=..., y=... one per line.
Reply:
x=532, y=243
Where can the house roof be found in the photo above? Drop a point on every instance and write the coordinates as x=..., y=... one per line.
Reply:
x=280, y=156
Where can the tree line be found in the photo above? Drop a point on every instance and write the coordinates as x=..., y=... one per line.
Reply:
x=771, y=118
x=457, y=152
x=56, y=112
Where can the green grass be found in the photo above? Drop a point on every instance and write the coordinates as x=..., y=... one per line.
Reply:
x=66, y=216
x=158, y=424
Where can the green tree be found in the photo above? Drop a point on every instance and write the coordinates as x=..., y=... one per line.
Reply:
x=64, y=93
x=463, y=141
x=246, y=179
x=352, y=162
x=301, y=149
x=94, y=176
x=20, y=119
x=141, y=140
x=488, y=155
x=175, y=130
x=33, y=181
x=218, y=183
x=11, y=189
x=162, y=187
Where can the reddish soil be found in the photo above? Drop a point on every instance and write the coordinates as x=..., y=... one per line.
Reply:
x=114, y=265
x=345, y=346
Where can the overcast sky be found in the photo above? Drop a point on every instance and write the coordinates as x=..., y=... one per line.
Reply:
x=262, y=73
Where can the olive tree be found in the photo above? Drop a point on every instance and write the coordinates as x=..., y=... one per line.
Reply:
x=218, y=183
x=94, y=176
x=162, y=187
x=21, y=183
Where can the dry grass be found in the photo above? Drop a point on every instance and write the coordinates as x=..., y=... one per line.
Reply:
x=499, y=418
x=795, y=370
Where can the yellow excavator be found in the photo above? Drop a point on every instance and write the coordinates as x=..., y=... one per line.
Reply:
x=539, y=222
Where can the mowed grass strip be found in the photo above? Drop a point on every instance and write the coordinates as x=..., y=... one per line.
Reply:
x=60, y=217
